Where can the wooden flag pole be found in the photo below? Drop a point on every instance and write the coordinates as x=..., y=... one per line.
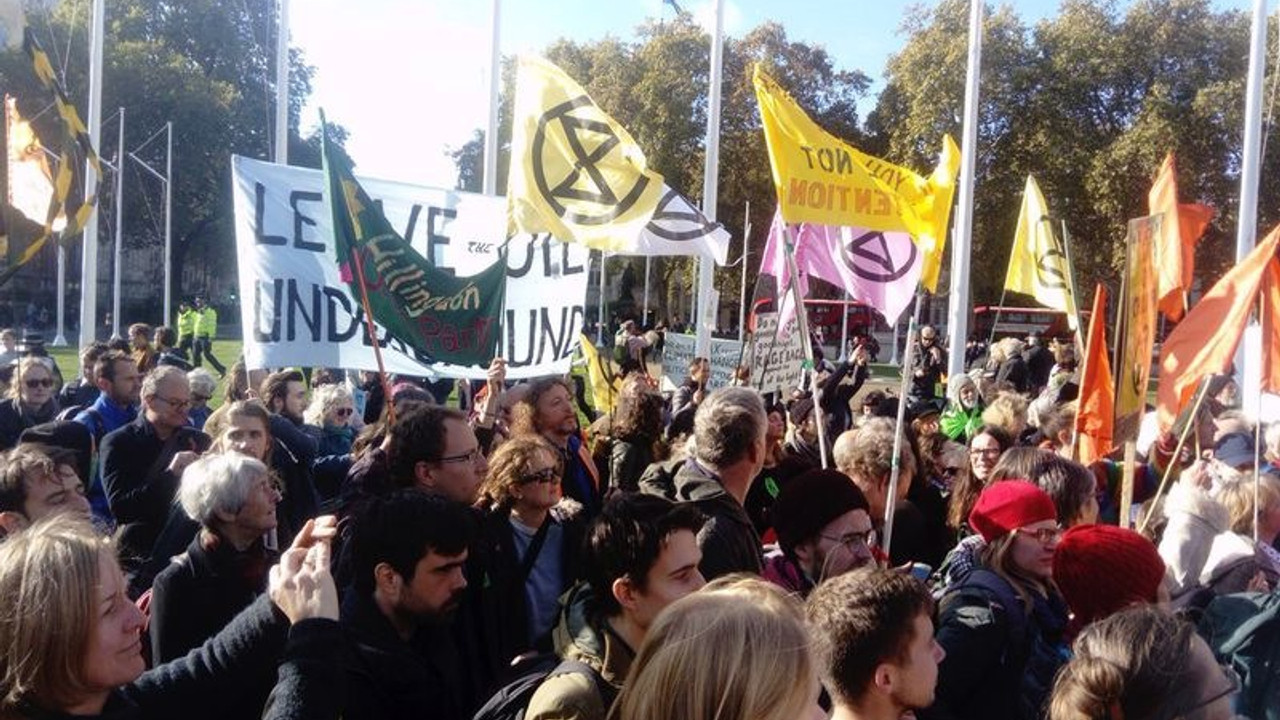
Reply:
x=802, y=327
x=1177, y=452
x=1126, y=484
x=1257, y=425
x=373, y=335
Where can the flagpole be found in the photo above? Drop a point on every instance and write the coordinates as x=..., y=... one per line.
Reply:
x=89, y=245
x=1257, y=425
x=373, y=335
x=600, y=310
x=958, y=309
x=710, y=181
x=645, y=314
x=802, y=327
x=1247, y=217
x=1201, y=393
x=742, y=293
x=282, y=87
x=495, y=81
x=118, y=253
x=1071, y=280
x=892, y=500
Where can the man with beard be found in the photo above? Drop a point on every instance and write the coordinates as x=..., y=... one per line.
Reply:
x=927, y=365
x=824, y=529
x=547, y=410
x=408, y=553
x=285, y=395
x=873, y=636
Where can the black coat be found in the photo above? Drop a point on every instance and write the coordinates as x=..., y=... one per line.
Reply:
x=196, y=686
x=201, y=590
x=140, y=489
x=390, y=679
x=504, y=606
x=728, y=540
x=14, y=418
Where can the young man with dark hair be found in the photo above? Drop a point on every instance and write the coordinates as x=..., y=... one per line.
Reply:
x=873, y=638
x=408, y=551
x=37, y=482
x=164, y=343
x=82, y=391
x=118, y=383
x=285, y=395
x=640, y=555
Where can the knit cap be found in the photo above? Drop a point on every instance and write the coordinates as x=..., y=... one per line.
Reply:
x=1102, y=569
x=1008, y=505
x=811, y=500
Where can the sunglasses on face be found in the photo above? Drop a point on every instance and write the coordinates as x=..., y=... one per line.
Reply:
x=38, y=383
x=545, y=475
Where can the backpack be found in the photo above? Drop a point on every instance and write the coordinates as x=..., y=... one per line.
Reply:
x=512, y=700
x=1243, y=630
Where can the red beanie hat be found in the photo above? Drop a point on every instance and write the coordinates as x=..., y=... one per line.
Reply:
x=1102, y=569
x=1008, y=505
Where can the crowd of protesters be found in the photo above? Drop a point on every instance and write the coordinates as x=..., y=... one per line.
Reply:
x=325, y=545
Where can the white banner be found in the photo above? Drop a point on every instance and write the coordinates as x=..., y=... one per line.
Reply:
x=677, y=353
x=776, y=362
x=296, y=311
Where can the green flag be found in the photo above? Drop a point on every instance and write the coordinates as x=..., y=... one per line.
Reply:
x=443, y=317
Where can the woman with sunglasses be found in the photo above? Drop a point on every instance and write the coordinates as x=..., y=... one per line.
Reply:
x=31, y=400
x=1143, y=664
x=1002, y=626
x=328, y=419
x=531, y=542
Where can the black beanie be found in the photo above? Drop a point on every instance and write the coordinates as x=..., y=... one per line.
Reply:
x=811, y=500
x=65, y=434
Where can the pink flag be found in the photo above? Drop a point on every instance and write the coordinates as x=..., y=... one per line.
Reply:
x=880, y=269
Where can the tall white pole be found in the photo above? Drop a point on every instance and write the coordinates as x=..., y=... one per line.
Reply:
x=958, y=310
x=645, y=321
x=282, y=93
x=495, y=82
x=168, y=226
x=119, y=243
x=89, y=246
x=742, y=291
x=710, y=183
x=1247, y=222
x=59, y=338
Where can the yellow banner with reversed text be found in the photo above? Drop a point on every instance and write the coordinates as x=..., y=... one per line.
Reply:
x=820, y=179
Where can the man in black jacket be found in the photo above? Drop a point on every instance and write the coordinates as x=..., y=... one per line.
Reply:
x=408, y=553
x=142, y=462
x=729, y=435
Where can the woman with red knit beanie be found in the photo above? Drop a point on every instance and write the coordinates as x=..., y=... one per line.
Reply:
x=1002, y=627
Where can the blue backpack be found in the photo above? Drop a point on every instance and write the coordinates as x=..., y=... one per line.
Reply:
x=1243, y=630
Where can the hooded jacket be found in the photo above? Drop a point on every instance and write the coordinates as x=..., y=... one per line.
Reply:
x=957, y=422
x=728, y=540
x=573, y=696
x=1195, y=519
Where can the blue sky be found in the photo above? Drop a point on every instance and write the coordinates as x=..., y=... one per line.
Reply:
x=408, y=77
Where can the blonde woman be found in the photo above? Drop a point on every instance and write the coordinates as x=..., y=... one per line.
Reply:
x=71, y=641
x=533, y=542
x=31, y=400
x=736, y=650
x=328, y=419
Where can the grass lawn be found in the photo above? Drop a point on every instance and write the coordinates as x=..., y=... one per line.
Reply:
x=226, y=351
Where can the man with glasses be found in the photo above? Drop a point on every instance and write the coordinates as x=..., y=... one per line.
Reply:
x=824, y=529
x=142, y=462
x=434, y=449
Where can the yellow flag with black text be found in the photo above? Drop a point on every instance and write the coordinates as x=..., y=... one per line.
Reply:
x=575, y=172
x=1037, y=265
x=820, y=179
x=605, y=385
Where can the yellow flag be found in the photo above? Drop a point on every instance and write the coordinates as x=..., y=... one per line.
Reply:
x=1037, y=265
x=820, y=179
x=604, y=384
x=30, y=182
x=574, y=171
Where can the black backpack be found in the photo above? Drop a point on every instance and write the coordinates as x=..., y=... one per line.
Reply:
x=1243, y=630
x=512, y=701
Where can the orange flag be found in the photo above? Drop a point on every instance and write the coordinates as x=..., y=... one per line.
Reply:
x=1096, y=417
x=1181, y=227
x=1206, y=339
x=1271, y=329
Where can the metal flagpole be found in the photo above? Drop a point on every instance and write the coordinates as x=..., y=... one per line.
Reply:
x=282, y=91
x=1071, y=285
x=119, y=240
x=742, y=291
x=645, y=321
x=1247, y=217
x=892, y=500
x=958, y=309
x=89, y=246
x=706, y=319
x=168, y=209
x=495, y=81
x=844, y=324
